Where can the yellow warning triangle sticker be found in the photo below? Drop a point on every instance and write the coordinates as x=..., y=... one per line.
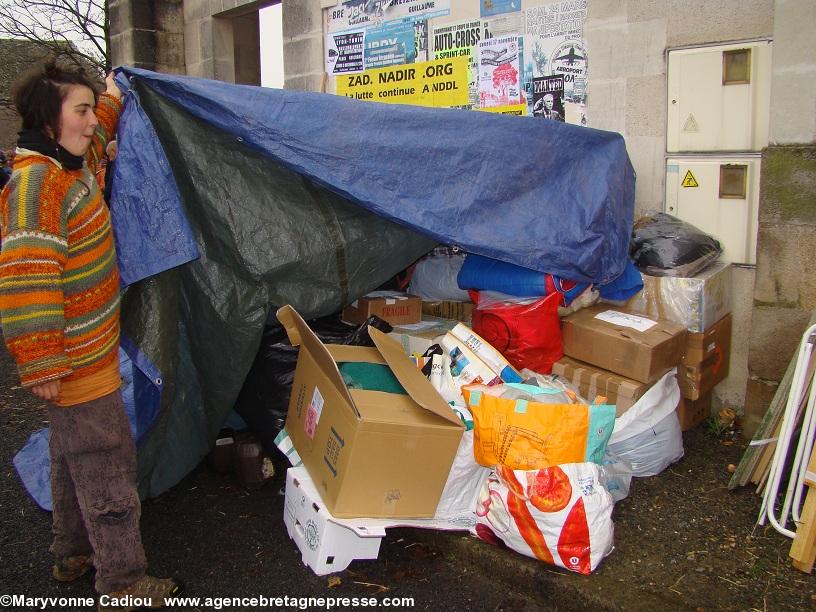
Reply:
x=689, y=180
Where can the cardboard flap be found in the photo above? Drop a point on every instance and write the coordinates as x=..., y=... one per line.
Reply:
x=300, y=334
x=344, y=353
x=417, y=386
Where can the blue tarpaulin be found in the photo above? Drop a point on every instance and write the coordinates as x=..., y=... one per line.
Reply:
x=229, y=201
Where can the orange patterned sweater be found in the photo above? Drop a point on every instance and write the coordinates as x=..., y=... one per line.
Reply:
x=59, y=281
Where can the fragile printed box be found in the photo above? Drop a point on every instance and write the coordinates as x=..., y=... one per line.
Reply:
x=691, y=413
x=416, y=338
x=592, y=382
x=459, y=311
x=695, y=302
x=370, y=453
x=633, y=346
x=325, y=545
x=392, y=306
x=706, y=360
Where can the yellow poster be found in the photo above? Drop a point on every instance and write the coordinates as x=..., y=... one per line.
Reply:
x=438, y=83
x=510, y=109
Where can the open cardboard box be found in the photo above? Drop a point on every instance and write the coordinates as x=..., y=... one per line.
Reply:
x=369, y=453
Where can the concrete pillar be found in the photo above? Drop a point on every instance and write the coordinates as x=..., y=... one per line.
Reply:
x=785, y=290
x=169, y=38
x=222, y=39
x=147, y=34
x=303, y=62
x=132, y=40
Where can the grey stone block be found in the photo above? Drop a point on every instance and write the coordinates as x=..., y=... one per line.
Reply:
x=305, y=82
x=703, y=21
x=300, y=18
x=775, y=335
x=303, y=56
x=646, y=106
x=646, y=10
x=788, y=185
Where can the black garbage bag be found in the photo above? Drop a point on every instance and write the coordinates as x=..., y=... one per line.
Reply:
x=663, y=245
x=264, y=399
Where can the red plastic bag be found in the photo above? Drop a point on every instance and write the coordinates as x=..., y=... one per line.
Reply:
x=527, y=333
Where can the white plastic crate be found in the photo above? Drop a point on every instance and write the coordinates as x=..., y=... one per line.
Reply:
x=326, y=546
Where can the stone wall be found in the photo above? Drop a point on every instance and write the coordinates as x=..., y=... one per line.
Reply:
x=222, y=40
x=627, y=42
x=785, y=289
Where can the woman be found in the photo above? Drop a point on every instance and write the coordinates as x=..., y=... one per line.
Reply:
x=59, y=301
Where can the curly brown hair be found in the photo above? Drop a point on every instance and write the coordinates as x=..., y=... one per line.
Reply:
x=38, y=95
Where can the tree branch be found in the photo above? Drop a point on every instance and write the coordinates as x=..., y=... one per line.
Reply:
x=53, y=24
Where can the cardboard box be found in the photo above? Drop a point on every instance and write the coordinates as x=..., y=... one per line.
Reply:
x=706, y=360
x=592, y=381
x=370, y=453
x=696, y=302
x=459, y=311
x=417, y=337
x=392, y=306
x=630, y=345
x=691, y=413
x=325, y=545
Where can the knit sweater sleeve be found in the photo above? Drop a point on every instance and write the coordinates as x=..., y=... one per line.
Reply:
x=107, y=112
x=32, y=259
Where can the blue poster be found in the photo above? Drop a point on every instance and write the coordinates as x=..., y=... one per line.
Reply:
x=389, y=44
x=488, y=8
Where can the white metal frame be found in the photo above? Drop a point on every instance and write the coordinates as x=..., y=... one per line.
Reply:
x=804, y=447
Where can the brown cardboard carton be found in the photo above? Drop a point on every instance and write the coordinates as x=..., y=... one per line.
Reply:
x=706, y=360
x=691, y=413
x=592, y=381
x=370, y=453
x=633, y=346
x=392, y=306
x=459, y=311
x=696, y=302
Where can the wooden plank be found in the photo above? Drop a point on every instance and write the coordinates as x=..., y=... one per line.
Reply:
x=810, y=475
x=761, y=468
x=760, y=473
x=772, y=416
x=803, y=549
x=769, y=422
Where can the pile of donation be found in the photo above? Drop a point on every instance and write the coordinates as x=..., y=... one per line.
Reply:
x=508, y=402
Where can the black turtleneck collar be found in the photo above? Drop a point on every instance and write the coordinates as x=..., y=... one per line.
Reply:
x=39, y=142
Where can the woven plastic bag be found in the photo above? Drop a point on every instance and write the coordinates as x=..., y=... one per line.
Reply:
x=561, y=515
x=522, y=434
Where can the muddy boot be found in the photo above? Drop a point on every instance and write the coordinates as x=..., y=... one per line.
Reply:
x=69, y=569
x=149, y=592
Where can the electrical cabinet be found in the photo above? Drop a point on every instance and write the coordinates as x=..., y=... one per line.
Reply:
x=719, y=98
x=719, y=195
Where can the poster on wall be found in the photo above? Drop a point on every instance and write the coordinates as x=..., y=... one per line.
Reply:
x=390, y=44
x=461, y=40
x=356, y=14
x=554, y=46
x=519, y=110
x=421, y=40
x=548, y=97
x=344, y=52
x=499, y=75
x=437, y=83
x=488, y=8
